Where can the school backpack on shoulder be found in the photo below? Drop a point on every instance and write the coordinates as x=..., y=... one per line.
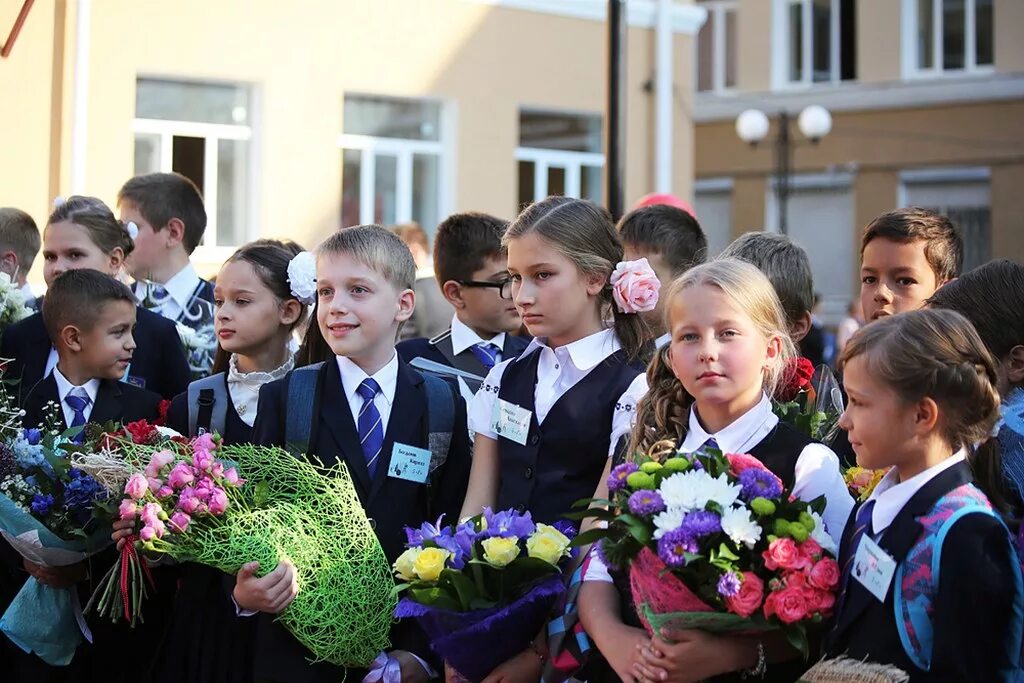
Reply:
x=302, y=388
x=917, y=577
x=207, y=405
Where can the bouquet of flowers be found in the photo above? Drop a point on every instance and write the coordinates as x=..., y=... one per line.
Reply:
x=12, y=302
x=51, y=513
x=714, y=542
x=809, y=399
x=861, y=482
x=482, y=589
x=224, y=506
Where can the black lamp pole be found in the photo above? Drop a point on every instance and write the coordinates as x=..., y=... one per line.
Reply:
x=783, y=168
x=616, y=145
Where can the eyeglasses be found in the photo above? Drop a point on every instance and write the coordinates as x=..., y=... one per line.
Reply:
x=504, y=287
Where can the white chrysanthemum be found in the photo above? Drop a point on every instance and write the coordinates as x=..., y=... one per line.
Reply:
x=693, y=490
x=821, y=535
x=739, y=526
x=302, y=277
x=667, y=521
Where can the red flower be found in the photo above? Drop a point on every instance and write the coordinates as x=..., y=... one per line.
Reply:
x=749, y=598
x=783, y=553
x=789, y=605
x=162, y=409
x=796, y=377
x=141, y=431
x=825, y=574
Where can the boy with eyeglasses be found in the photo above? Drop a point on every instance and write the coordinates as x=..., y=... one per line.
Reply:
x=471, y=267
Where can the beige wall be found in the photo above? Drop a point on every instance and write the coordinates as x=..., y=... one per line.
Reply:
x=754, y=45
x=878, y=41
x=1007, y=217
x=1009, y=48
x=484, y=62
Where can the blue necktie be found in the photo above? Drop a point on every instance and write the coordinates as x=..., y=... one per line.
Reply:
x=78, y=400
x=371, y=431
x=710, y=443
x=486, y=353
x=862, y=525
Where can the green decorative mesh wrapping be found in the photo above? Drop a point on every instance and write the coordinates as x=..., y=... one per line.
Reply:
x=712, y=622
x=289, y=508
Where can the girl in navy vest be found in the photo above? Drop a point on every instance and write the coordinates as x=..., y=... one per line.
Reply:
x=709, y=387
x=544, y=422
x=83, y=233
x=931, y=582
x=260, y=298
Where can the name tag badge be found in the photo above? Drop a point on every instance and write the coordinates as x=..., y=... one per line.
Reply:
x=511, y=421
x=134, y=381
x=873, y=568
x=409, y=463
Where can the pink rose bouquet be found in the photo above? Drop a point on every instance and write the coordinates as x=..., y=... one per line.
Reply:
x=635, y=286
x=716, y=542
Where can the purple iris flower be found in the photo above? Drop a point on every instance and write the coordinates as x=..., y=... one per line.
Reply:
x=508, y=523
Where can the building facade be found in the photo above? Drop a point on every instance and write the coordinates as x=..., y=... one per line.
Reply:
x=927, y=100
x=297, y=118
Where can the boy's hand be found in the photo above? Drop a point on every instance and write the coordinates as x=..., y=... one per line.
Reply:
x=123, y=528
x=56, y=577
x=271, y=593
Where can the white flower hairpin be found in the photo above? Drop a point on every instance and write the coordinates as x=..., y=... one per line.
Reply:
x=58, y=202
x=133, y=229
x=302, y=277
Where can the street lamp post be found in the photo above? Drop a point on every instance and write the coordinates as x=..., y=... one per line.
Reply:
x=814, y=122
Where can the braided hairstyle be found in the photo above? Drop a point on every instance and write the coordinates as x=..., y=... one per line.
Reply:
x=663, y=413
x=938, y=354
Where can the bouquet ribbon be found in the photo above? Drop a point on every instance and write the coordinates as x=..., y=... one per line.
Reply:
x=384, y=669
x=130, y=555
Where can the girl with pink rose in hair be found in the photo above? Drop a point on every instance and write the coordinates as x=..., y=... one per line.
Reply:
x=710, y=388
x=547, y=422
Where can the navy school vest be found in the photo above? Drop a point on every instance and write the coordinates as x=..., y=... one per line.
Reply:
x=563, y=459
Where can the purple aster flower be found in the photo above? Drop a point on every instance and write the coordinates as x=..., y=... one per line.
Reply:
x=759, y=483
x=701, y=523
x=674, y=545
x=646, y=503
x=728, y=585
x=508, y=523
x=617, y=478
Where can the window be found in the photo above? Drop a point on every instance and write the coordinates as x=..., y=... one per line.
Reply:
x=964, y=195
x=716, y=47
x=392, y=161
x=204, y=132
x=948, y=36
x=819, y=41
x=559, y=154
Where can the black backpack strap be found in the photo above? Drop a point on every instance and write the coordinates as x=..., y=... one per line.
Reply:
x=302, y=385
x=208, y=405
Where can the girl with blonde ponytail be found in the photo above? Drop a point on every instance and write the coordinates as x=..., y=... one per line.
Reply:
x=710, y=388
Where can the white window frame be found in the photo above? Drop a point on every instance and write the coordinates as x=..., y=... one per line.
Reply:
x=404, y=149
x=572, y=162
x=212, y=133
x=718, y=9
x=909, y=21
x=781, y=48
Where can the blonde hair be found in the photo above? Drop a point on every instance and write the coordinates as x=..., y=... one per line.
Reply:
x=663, y=413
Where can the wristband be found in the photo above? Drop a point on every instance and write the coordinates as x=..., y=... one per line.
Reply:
x=759, y=669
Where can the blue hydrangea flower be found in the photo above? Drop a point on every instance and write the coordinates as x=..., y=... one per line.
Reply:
x=728, y=585
x=759, y=483
x=646, y=503
x=41, y=504
x=82, y=491
x=33, y=436
x=673, y=546
x=701, y=523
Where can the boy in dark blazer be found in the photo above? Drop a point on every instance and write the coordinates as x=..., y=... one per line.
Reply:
x=367, y=402
x=472, y=268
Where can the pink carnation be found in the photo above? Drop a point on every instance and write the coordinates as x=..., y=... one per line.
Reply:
x=635, y=286
x=181, y=476
x=136, y=486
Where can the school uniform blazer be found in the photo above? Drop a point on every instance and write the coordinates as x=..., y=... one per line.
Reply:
x=390, y=503
x=115, y=402
x=440, y=350
x=158, y=364
x=974, y=616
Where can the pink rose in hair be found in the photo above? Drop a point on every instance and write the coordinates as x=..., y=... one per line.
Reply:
x=635, y=286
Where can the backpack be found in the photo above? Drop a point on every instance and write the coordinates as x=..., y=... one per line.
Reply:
x=207, y=405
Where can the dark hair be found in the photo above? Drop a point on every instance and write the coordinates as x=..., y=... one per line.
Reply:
x=992, y=298
x=160, y=197
x=269, y=259
x=463, y=242
x=375, y=247
x=19, y=232
x=105, y=231
x=943, y=248
x=76, y=297
x=668, y=231
x=786, y=266
x=937, y=354
x=584, y=233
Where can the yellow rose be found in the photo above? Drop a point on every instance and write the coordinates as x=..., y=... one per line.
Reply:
x=547, y=543
x=499, y=552
x=429, y=563
x=406, y=563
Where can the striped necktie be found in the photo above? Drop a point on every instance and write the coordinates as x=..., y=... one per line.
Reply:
x=371, y=430
x=486, y=353
x=862, y=525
